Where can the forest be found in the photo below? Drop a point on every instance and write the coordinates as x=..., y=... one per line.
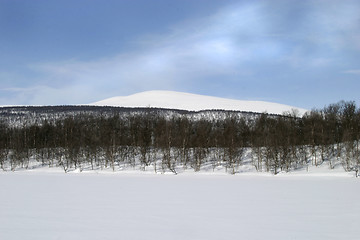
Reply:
x=276, y=143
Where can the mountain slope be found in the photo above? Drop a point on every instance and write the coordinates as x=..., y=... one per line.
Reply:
x=194, y=102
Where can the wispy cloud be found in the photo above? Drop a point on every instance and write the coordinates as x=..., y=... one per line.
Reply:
x=353, y=71
x=237, y=45
x=217, y=45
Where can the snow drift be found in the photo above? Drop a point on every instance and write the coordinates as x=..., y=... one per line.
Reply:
x=194, y=102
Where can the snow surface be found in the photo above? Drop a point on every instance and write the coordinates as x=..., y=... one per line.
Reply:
x=54, y=205
x=194, y=102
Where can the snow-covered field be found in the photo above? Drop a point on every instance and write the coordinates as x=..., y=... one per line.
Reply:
x=139, y=205
x=194, y=102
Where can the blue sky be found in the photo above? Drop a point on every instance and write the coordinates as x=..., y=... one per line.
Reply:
x=301, y=53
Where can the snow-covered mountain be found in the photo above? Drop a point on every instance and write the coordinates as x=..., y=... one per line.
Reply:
x=194, y=102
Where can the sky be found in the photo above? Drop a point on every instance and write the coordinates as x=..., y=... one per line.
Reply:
x=300, y=53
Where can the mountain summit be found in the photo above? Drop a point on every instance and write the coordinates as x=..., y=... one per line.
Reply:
x=194, y=102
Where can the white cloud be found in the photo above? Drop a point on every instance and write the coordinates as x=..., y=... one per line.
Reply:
x=236, y=41
x=44, y=95
x=191, y=52
x=336, y=24
x=353, y=71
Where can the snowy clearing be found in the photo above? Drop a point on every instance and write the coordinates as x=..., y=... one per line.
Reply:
x=54, y=205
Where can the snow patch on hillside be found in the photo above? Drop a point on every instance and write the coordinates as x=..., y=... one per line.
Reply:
x=194, y=102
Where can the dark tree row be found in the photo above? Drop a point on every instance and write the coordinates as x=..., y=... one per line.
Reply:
x=275, y=143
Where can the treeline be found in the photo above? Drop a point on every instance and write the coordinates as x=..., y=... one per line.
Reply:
x=274, y=143
x=35, y=115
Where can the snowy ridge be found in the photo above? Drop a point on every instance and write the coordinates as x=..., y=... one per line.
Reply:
x=194, y=102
